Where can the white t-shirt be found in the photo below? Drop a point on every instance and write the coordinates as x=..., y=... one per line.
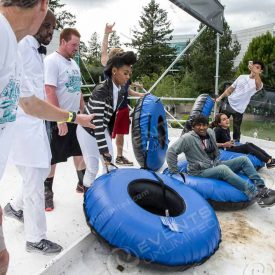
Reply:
x=115, y=95
x=31, y=146
x=10, y=76
x=65, y=75
x=245, y=88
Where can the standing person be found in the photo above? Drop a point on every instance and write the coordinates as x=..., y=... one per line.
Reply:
x=103, y=103
x=201, y=152
x=30, y=149
x=18, y=19
x=63, y=89
x=122, y=121
x=222, y=133
x=4, y=255
x=239, y=95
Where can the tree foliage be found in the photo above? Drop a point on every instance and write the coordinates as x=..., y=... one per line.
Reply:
x=201, y=60
x=114, y=41
x=151, y=41
x=261, y=48
x=63, y=17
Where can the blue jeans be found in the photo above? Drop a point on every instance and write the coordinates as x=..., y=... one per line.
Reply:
x=227, y=171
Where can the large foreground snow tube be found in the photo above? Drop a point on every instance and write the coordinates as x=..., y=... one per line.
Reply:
x=220, y=194
x=127, y=208
x=226, y=155
x=202, y=106
x=149, y=132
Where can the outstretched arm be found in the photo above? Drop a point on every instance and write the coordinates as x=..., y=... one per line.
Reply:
x=41, y=109
x=104, y=47
x=226, y=93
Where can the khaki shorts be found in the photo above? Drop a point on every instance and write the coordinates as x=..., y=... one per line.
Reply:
x=2, y=242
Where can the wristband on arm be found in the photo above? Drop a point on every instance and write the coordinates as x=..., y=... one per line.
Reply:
x=71, y=118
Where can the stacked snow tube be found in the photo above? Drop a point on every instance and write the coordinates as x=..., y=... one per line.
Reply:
x=226, y=155
x=127, y=208
x=202, y=106
x=149, y=132
x=220, y=194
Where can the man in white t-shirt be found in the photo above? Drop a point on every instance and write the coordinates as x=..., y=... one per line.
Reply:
x=62, y=85
x=239, y=95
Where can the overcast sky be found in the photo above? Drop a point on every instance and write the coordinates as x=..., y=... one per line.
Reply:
x=92, y=15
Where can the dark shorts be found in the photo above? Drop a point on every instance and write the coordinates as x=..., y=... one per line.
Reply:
x=63, y=147
x=122, y=122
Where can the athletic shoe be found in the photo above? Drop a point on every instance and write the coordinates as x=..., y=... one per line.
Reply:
x=80, y=188
x=123, y=161
x=266, y=197
x=49, y=206
x=44, y=246
x=271, y=164
x=10, y=212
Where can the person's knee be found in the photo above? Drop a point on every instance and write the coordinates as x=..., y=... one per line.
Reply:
x=244, y=159
x=224, y=170
x=4, y=261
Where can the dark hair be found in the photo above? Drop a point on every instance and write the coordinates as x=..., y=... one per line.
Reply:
x=217, y=120
x=67, y=33
x=199, y=119
x=259, y=62
x=119, y=60
x=19, y=3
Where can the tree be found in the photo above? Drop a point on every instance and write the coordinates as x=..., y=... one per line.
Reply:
x=201, y=60
x=114, y=41
x=94, y=48
x=261, y=48
x=151, y=41
x=63, y=17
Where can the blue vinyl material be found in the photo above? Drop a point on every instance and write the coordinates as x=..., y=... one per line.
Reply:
x=114, y=215
x=226, y=155
x=151, y=154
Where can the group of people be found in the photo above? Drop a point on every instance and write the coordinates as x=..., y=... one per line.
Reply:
x=35, y=89
x=201, y=145
x=24, y=37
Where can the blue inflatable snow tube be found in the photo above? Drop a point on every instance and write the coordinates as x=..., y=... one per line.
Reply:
x=220, y=194
x=126, y=208
x=226, y=155
x=149, y=132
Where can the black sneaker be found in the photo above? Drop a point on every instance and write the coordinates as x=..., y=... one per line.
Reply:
x=271, y=164
x=49, y=206
x=123, y=161
x=266, y=197
x=44, y=246
x=10, y=212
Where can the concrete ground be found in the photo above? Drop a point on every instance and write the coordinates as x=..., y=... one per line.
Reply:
x=247, y=247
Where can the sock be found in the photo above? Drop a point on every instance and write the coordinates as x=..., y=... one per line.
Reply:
x=80, y=175
x=48, y=183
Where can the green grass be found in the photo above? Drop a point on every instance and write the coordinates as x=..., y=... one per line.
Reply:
x=265, y=129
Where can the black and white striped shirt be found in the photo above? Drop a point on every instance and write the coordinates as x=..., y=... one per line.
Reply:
x=100, y=104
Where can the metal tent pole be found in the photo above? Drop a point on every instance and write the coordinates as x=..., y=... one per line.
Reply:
x=217, y=71
x=178, y=57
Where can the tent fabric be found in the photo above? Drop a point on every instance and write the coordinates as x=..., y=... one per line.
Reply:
x=209, y=12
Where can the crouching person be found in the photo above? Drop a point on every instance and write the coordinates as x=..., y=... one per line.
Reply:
x=201, y=151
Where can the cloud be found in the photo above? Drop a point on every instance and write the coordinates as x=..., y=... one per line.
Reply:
x=92, y=15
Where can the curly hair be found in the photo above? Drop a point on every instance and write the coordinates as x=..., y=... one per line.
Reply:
x=119, y=60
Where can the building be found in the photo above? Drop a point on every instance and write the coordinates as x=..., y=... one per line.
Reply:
x=180, y=41
x=244, y=37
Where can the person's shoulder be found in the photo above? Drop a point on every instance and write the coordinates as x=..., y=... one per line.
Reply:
x=101, y=89
x=52, y=57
